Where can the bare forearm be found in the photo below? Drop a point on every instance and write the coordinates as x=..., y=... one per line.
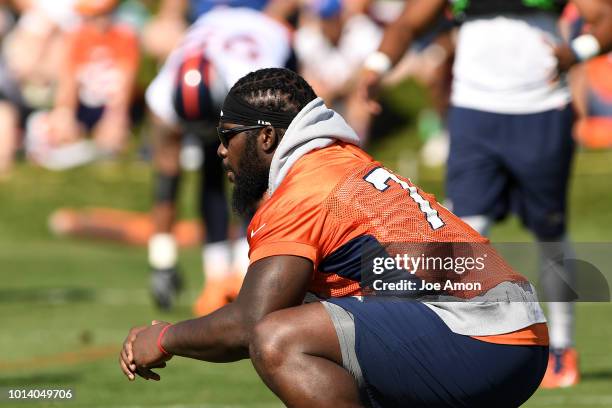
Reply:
x=396, y=41
x=172, y=8
x=602, y=28
x=67, y=93
x=417, y=17
x=220, y=337
x=271, y=284
x=281, y=10
x=598, y=14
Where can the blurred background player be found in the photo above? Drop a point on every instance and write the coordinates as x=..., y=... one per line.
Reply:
x=591, y=85
x=592, y=89
x=220, y=47
x=334, y=38
x=302, y=315
x=510, y=126
x=34, y=48
x=164, y=32
x=31, y=58
x=10, y=99
x=94, y=91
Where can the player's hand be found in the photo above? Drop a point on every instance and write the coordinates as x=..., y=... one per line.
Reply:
x=368, y=86
x=565, y=58
x=140, y=353
x=146, y=354
x=63, y=126
x=126, y=358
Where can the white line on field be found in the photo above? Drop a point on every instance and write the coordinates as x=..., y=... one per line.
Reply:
x=573, y=401
x=105, y=296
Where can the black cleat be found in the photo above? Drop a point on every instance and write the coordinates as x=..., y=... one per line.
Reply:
x=165, y=287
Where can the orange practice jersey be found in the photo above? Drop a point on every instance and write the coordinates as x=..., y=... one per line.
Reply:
x=102, y=62
x=335, y=200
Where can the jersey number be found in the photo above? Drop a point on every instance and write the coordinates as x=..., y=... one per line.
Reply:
x=380, y=177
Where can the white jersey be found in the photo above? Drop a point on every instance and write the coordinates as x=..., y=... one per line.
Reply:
x=335, y=65
x=505, y=64
x=43, y=16
x=61, y=12
x=236, y=41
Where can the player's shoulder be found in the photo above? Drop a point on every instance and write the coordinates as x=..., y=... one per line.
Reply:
x=314, y=176
x=218, y=14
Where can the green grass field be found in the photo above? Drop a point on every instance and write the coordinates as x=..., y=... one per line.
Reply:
x=66, y=304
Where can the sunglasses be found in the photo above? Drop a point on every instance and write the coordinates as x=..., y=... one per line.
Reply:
x=226, y=134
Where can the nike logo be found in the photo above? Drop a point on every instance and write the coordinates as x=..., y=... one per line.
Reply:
x=257, y=230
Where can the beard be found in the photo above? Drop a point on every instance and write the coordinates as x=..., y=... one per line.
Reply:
x=251, y=182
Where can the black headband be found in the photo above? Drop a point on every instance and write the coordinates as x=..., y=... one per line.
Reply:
x=241, y=113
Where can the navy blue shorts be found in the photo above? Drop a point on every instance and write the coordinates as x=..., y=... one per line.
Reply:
x=500, y=163
x=88, y=116
x=410, y=358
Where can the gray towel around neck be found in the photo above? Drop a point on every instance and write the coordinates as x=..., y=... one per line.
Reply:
x=314, y=127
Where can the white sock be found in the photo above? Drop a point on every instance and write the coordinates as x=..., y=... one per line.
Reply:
x=561, y=324
x=554, y=279
x=217, y=258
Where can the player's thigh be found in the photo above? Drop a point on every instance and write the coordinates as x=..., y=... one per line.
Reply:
x=408, y=356
x=476, y=179
x=541, y=167
x=89, y=117
x=306, y=329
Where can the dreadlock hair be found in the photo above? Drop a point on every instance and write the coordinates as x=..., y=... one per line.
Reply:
x=275, y=90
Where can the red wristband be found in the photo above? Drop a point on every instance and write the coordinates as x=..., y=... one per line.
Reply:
x=159, y=341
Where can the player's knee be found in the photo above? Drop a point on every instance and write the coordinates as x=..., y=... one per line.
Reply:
x=270, y=342
x=479, y=223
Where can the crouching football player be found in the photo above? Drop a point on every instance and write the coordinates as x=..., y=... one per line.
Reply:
x=317, y=329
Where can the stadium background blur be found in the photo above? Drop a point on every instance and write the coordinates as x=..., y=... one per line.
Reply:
x=65, y=303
